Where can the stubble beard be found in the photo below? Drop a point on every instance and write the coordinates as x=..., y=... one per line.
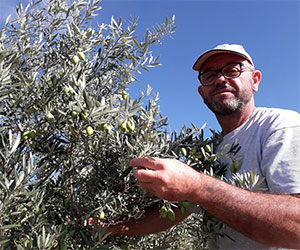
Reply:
x=227, y=107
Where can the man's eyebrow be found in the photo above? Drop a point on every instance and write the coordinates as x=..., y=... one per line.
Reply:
x=212, y=68
x=207, y=69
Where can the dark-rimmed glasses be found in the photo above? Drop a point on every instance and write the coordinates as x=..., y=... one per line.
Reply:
x=229, y=71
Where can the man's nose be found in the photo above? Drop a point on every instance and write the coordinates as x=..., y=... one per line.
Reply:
x=220, y=78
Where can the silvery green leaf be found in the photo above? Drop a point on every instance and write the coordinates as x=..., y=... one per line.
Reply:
x=15, y=143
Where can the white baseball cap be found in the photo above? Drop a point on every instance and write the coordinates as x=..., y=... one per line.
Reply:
x=223, y=48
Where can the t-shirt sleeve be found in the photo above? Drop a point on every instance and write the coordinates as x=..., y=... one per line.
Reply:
x=281, y=160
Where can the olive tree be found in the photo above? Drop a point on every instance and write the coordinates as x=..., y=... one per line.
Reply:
x=69, y=128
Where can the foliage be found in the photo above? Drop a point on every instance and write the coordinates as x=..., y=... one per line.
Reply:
x=69, y=127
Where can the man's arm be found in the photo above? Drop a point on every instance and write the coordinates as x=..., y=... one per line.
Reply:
x=150, y=223
x=267, y=218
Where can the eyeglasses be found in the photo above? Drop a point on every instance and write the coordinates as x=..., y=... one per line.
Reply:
x=229, y=71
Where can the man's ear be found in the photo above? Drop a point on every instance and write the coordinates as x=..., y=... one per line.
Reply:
x=200, y=91
x=256, y=77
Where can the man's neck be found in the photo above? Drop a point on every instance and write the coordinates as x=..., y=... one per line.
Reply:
x=229, y=123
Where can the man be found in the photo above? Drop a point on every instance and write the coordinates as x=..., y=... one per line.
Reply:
x=270, y=143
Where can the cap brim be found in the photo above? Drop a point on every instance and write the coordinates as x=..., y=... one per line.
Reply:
x=198, y=64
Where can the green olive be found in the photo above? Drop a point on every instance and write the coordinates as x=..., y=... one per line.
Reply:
x=106, y=128
x=28, y=134
x=183, y=151
x=50, y=117
x=101, y=215
x=89, y=131
x=213, y=158
x=74, y=114
x=67, y=90
x=76, y=59
x=171, y=214
x=25, y=136
x=81, y=55
x=32, y=134
x=31, y=144
x=123, y=127
x=124, y=94
x=130, y=125
x=163, y=212
x=207, y=148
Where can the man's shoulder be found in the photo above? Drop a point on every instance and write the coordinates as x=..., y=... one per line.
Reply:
x=277, y=117
x=276, y=111
x=265, y=121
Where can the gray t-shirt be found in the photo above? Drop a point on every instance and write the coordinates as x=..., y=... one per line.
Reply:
x=270, y=143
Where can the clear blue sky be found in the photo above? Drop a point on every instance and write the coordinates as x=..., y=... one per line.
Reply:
x=269, y=30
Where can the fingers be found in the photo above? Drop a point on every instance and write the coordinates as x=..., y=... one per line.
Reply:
x=147, y=172
x=144, y=162
x=145, y=169
x=144, y=175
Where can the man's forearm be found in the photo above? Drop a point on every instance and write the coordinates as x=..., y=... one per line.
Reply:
x=267, y=218
x=151, y=223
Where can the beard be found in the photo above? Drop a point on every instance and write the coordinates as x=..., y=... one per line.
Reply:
x=228, y=107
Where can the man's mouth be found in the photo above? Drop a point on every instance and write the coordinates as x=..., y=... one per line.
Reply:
x=221, y=91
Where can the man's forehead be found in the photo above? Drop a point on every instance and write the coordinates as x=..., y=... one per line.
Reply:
x=221, y=59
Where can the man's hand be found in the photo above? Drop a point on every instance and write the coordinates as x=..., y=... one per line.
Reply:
x=167, y=179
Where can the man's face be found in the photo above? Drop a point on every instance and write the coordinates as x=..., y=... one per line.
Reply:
x=226, y=96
